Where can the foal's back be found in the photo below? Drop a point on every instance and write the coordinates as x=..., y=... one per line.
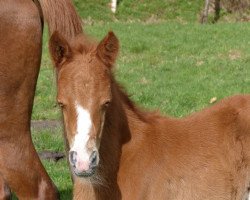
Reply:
x=203, y=156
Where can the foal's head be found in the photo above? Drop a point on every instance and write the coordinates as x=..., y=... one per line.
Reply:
x=84, y=93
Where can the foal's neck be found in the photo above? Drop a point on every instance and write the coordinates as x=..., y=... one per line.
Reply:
x=120, y=120
x=126, y=117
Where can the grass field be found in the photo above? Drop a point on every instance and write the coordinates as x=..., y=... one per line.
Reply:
x=142, y=10
x=175, y=66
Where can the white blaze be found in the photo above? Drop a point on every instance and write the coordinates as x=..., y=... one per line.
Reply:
x=83, y=126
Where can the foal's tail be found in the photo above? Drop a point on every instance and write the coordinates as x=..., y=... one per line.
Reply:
x=61, y=16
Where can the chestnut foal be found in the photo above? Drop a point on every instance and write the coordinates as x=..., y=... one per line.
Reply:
x=118, y=151
x=20, y=55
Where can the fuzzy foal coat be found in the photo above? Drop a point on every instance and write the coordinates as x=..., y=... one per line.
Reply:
x=147, y=156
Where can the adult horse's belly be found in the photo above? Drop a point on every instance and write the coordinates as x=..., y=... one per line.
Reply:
x=20, y=52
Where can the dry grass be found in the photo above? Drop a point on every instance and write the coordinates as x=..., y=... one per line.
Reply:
x=236, y=5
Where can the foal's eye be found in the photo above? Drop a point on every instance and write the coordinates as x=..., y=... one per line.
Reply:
x=106, y=104
x=61, y=104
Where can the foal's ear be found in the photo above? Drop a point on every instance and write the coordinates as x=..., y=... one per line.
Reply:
x=59, y=49
x=108, y=48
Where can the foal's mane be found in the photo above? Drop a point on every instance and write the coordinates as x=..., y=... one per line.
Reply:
x=142, y=114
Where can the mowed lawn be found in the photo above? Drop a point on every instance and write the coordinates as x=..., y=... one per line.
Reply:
x=173, y=67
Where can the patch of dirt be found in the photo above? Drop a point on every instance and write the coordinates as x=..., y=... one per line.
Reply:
x=153, y=19
x=234, y=55
x=52, y=125
x=39, y=125
x=199, y=63
x=144, y=81
x=51, y=155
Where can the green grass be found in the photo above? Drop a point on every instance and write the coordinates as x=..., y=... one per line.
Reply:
x=58, y=171
x=169, y=66
x=153, y=11
x=142, y=10
x=52, y=141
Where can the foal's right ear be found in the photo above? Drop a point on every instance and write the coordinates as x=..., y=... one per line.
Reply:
x=59, y=49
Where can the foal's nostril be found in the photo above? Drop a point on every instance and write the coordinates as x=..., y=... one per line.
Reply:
x=93, y=159
x=72, y=157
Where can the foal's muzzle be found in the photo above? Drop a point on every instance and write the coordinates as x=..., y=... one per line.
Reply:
x=84, y=168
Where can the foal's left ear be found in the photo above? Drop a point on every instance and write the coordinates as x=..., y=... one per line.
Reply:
x=59, y=49
x=108, y=49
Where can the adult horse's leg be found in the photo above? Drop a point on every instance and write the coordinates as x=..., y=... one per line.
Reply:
x=20, y=54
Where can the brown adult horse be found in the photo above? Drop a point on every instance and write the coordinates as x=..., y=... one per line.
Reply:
x=20, y=54
x=118, y=151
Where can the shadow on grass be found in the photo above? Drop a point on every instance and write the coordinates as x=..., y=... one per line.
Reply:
x=66, y=194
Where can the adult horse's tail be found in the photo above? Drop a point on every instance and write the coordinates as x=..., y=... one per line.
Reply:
x=61, y=16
